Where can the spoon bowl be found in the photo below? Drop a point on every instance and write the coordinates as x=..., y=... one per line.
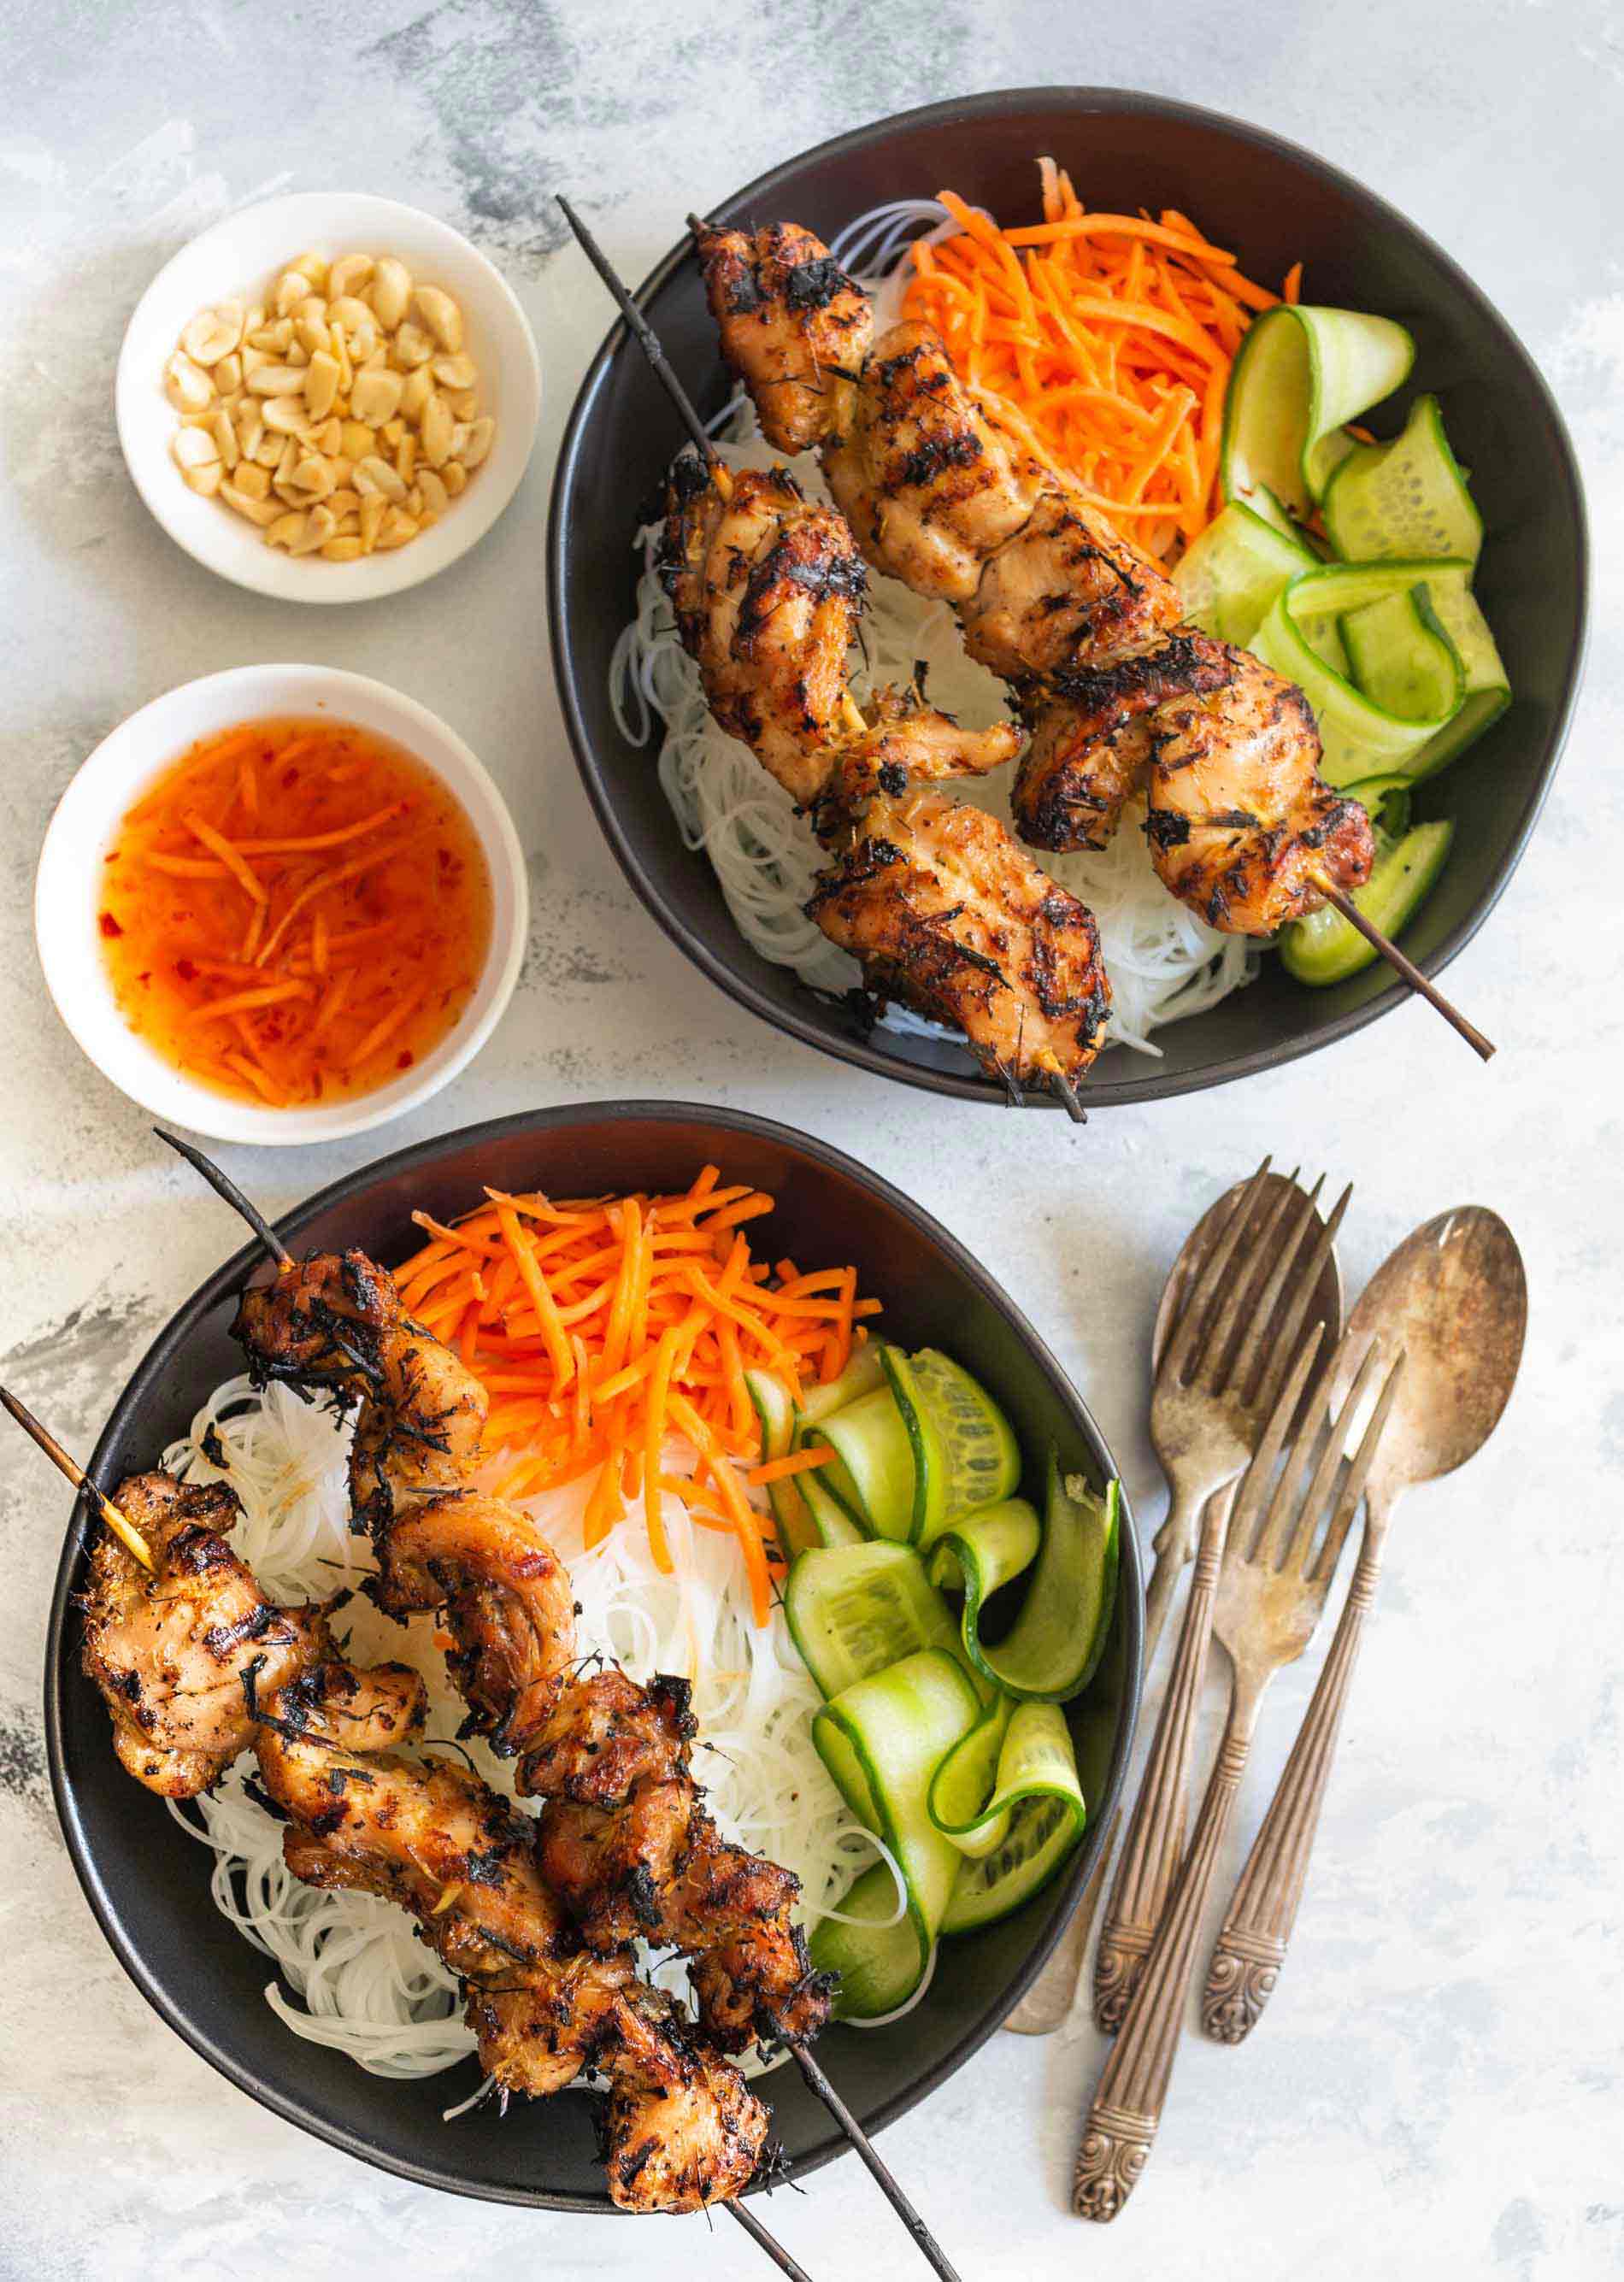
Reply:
x=1454, y=1297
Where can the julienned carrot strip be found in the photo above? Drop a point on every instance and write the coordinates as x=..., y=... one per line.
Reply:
x=234, y=861
x=535, y=1283
x=798, y=1461
x=661, y=1310
x=1105, y=341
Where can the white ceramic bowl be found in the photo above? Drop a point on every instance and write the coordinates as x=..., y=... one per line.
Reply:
x=67, y=892
x=238, y=257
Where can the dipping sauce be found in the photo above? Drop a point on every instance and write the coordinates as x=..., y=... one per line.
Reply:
x=296, y=912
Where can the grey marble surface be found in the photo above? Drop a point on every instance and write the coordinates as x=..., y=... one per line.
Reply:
x=1439, y=2090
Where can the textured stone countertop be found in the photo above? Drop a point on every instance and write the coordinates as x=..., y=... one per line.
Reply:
x=1439, y=2091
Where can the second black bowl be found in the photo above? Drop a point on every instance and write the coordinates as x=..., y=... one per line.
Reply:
x=1274, y=204
x=149, y=1884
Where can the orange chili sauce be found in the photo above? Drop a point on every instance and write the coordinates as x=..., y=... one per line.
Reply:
x=296, y=912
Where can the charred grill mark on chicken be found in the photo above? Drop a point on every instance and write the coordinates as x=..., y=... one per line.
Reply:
x=1050, y=597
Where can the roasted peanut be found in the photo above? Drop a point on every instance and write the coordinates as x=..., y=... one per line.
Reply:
x=390, y=292
x=441, y=313
x=186, y=385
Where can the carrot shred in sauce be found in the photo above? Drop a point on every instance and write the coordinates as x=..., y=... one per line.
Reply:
x=296, y=912
x=606, y=1330
x=1105, y=340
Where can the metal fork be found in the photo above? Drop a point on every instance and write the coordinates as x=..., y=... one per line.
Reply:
x=1217, y=1383
x=1270, y=1595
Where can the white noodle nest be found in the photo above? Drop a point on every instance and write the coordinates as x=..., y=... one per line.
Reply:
x=360, y=1979
x=1164, y=963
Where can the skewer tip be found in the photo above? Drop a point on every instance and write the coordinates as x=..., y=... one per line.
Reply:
x=225, y=1187
x=125, y=1532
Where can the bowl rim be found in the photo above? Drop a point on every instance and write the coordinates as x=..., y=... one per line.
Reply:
x=88, y=804
x=223, y=1285
x=262, y=570
x=1158, y=1084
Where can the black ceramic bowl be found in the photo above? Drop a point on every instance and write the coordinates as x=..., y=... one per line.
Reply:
x=1274, y=204
x=148, y=1884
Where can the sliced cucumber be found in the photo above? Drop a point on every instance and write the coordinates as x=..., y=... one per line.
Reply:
x=965, y=1448
x=861, y=1375
x=828, y=1521
x=872, y=1473
x=775, y=1409
x=1361, y=738
x=1325, y=948
x=1402, y=659
x=1299, y=376
x=1229, y=578
x=854, y=1609
x=876, y=1960
x=1050, y=1652
x=881, y=1740
x=1385, y=800
x=925, y=1446
x=1489, y=691
x=1042, y=1833
x=1406, y=498
x=1013, y=1753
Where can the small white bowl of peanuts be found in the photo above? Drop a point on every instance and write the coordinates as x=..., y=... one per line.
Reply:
x=328, y=398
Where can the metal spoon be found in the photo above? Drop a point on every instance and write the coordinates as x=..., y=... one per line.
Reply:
x=1453, y=1299
x=1050, y=1998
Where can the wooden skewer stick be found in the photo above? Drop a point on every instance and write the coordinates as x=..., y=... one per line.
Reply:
x=225, y=1186
x=770, y=2243
x=1404, y=967
x=125, y=1532
x=648, y=341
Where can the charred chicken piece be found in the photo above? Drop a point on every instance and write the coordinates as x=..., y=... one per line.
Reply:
x=1241, y=822
x=947, y=914
x=907, y=743
x=928, y=484
x=605, y=1736
x=1093, y=731
x=767, y=590
x=335, y=1321
x=507, y=1602
x=681, y=2129
x=171, y=1651
x=1065, y=590
x=793, y=325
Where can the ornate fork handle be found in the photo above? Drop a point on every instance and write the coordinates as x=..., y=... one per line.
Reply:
x=1150, y=1857
x=1250, y=1951
x=1132, y=2088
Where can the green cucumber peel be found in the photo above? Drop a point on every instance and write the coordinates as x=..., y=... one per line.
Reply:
x=875, y=1961
x=861, y=1375
x=1015, y=1753
x=1361, y=738
x=1401, y=658
x=1043, y=1832
x=775, y=1409
x=881, y=1740
x=852, y=1610
x=873, y=1473
x=1230, y=577
x=1300, y=375
x=1051, y=1651
x=1325, y=948
x=1406, y=498
x=1488, y=690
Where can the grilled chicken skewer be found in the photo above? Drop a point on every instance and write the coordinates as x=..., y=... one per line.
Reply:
x=952, y=920
x=611, y=1756
x=196, y=1665
x=1116, y=692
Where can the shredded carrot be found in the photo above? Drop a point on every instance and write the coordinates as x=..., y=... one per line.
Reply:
x=284, y=940
x=1105, y=341
x=798, y=1461
x=612, y=1335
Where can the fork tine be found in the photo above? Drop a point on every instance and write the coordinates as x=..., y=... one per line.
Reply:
x=1200, y=1299
x=1248, y=1358
x=1255, y=1481
x=1252, y=1262
x=1305, y=1284
x=1353, y=1488
x=1298, y=1543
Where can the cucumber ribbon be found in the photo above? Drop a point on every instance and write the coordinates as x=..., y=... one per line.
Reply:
x=1051, y=1651
x=1299, y=375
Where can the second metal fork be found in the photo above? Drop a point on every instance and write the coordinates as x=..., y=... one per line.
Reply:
x=1216, y=1385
